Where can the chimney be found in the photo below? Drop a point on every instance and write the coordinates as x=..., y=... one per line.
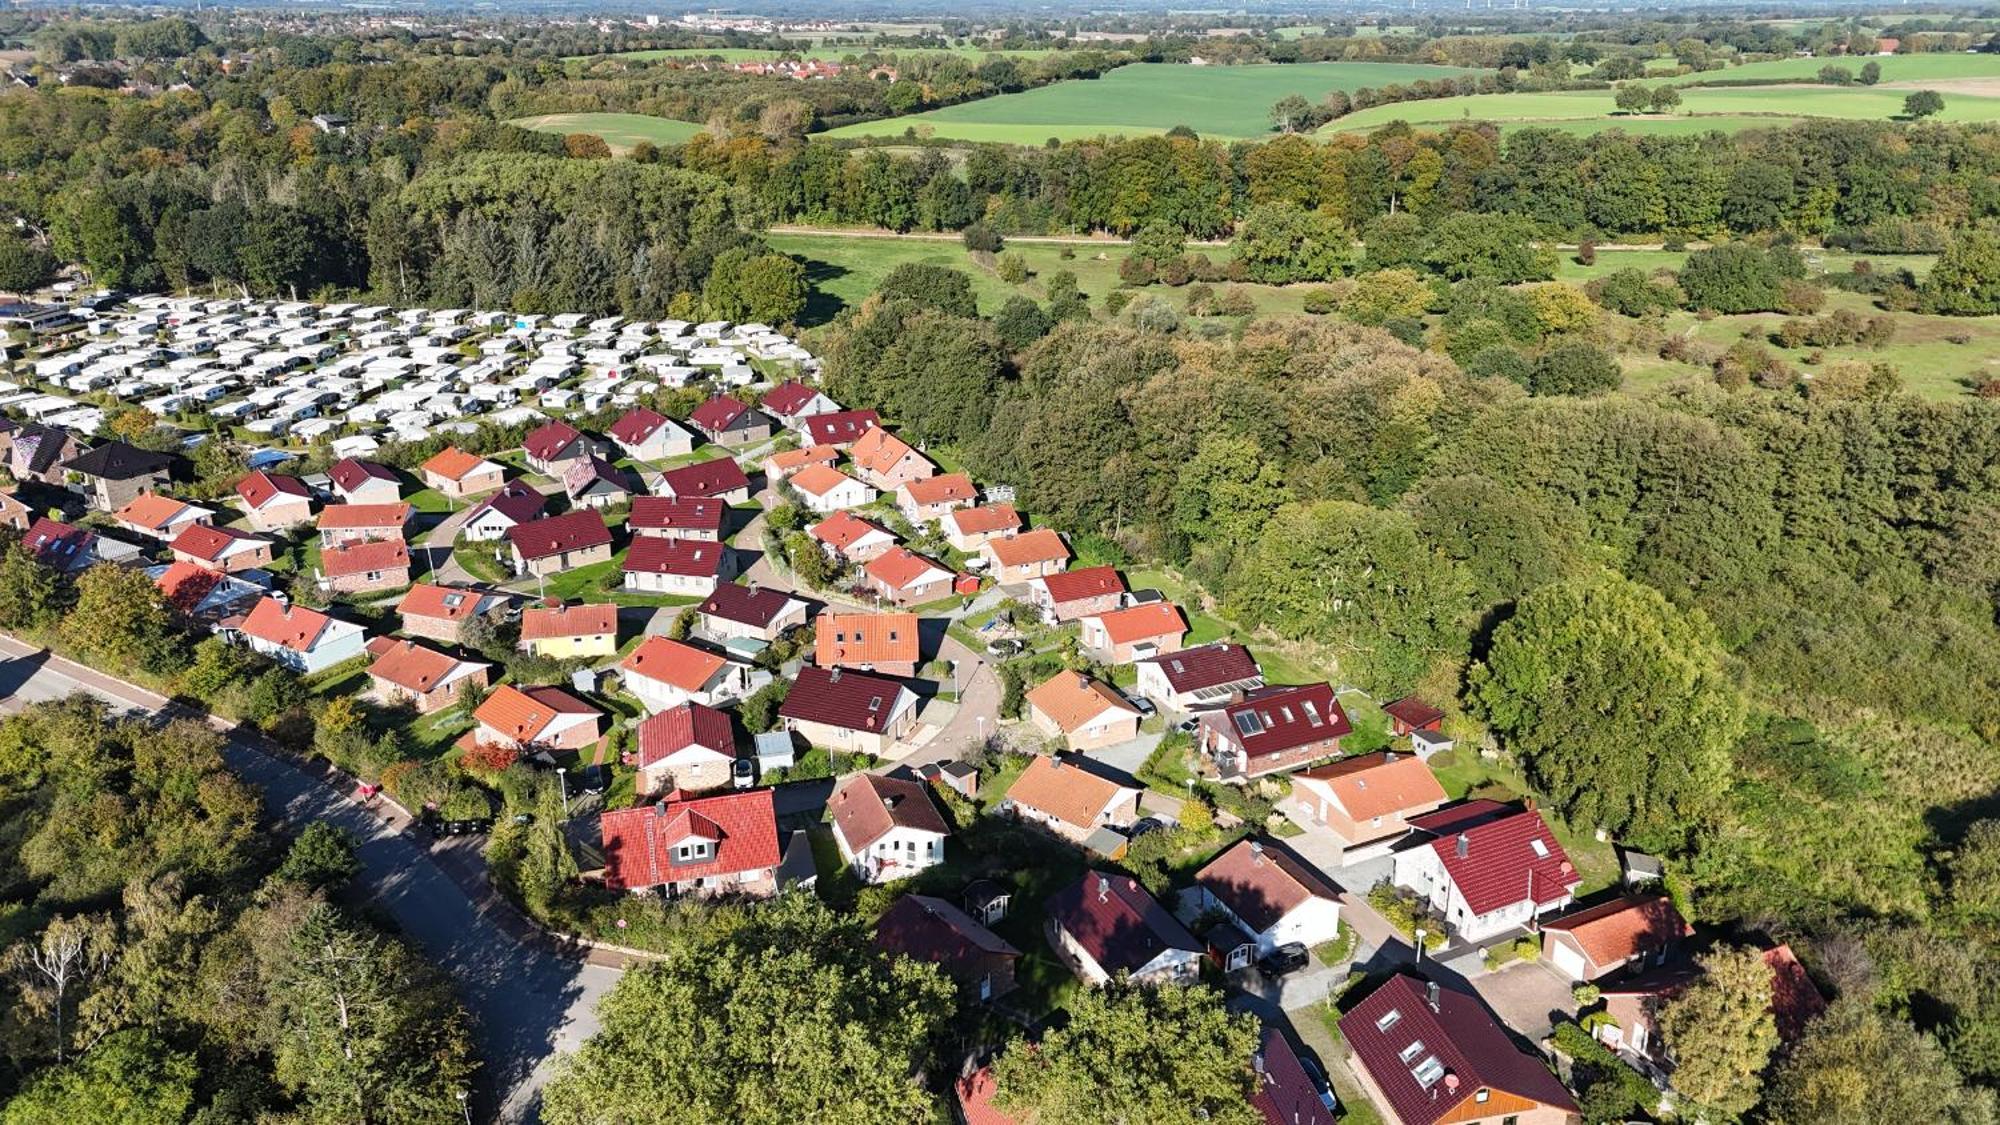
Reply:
x=1529, y=804
x=833, y=677
x=1257, y=853
x=1464, y=845
x=1103, y=889
x=1257, y=1062
x=1431, y=994
x=1388, y=756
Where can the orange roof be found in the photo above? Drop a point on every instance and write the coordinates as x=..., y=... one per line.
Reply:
x=985, y=519
x=185, y=584
x=782, y=463
x=1040, y=545
x=364, y=515
x=1073, y=699
x=1142, y=622
x=1378, y=784
x=293, y=626
x=900, y=567
x=568, y=621
x=671, y=662
x=865, y=638
x=453, y=463
x=818, y=480
x=1071, y=795
x=360, y=558
x=1616, y=931
x=448, y=602
x=878, y=450
x=514, y=713
x=842, y=530
x=150, y=510
x=412, y=666
x=942, y=489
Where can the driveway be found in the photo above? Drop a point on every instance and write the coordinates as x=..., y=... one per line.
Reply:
x=1528, y=996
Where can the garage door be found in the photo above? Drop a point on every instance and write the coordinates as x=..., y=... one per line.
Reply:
x=1568, y=960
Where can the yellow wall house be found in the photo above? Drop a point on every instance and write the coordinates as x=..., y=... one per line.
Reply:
x=567, y=631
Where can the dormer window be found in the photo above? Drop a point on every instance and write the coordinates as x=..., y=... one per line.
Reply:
x=693, y=851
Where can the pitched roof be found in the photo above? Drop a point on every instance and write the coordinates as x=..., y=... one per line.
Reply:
x=704, y=478
x=782, y=463
x=412, y=666
x=115, y=460
x=1379, y=784
x=447, y=602
x=676, y=513
x=208, y=543
x=1039, y=545
x=1272, y=720
x=931, y=929
x=1464, y=1050
x=868, y=806
x=746, y=605
x=1089, y=582
x=677, y=728
x=1205, y=666
x=1072, y=699
x=184, y=584
x=339, y=516
x=638, y=842
x=984, y=520
x=550, y=439
x=637, y=424
x=865, y=638
x=1508, y=854
x=260, y=488
x=840, y=427
x=544, y=622
x=57, y=543
x=351, y=473
x=524, y=713
x=1142, y=622
x=1261, y=884
x=668, y=661
x=842, y=530
x=945, y=488
x=1614, y=932
x=900, y=568
x=1067, y=792
x=1413, y=711
x=718, y=413
x=516, y=500
x=879, y=451
x=1115, y=921
x=689, y=558
x=842, y=698
x=1795, y=1000
x=152, y=511
x=975, y=1099
x=1286, y=1094
x=571, y=531
x=361, y=558
x=818, y=480
x=787, y=398
x=453, y=463
x=293, y=626
x=587, y=472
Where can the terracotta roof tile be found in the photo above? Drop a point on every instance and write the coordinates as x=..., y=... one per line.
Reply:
x=546, y=622
x=677, y=728
x=819, y=480
x=1614, y=932
x=1383, y=783
x=152, y=511
x=984, y=520
x=208, y=543
x=1089, y=582
x=899, y=568
x=1040, y=545
x=945, y=488
x=412, y=666
x=1143, y=623
x=1072, y=700
x=853, y=639
x=449, y=603
x=453, y=463
x=842, y=530
x=294, y=626
x=361, y=558
x=344, y=516
x=638, y=842
x=260, y=488
x=669, y=661
x=1067, y=792
x=879, y=451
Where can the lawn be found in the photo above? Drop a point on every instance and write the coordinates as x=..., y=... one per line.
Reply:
x=620, y=130
x=1464, y=773
x=1919, y=69
x=1224, y=102
x=821, y=51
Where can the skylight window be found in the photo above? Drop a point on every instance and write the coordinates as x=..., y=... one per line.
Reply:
x=1410, y=1053
x=1388, y=1019
x=1428, y=1072
x=1541, y=849
x=1247, y=723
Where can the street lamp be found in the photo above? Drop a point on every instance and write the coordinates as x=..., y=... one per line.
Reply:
x=1420, y=944
x=562, y=783
x=463, y=1107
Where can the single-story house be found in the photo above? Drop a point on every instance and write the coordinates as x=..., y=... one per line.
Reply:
x=1592, y=943
x=969, y=529
x=221, y=548
x=364, y=482
x=274, y=501
x=553, y=447
x=569, y=632
x=1104, y=925
x=555, y=544
x=1485, y=867
x=843, y=710
x=722, y=844
x=157, y=517
x=1429, y=1055
x=648, y=435
x=1027, y=555
x=669, y=517
x=459, y=474
x=1085, y=714
x=840, y=428
x=850, y=538
x=792, y=402
x=665, y=673
x=441, y=613
x=351, y=523
x=718, y=479
x=593, y=482
x=930, y=929
x=886, y=828
x=824, y=490
x=1367, y=801
x=731, y=422
x=516, y=503
x=779, y=466
x=1276, y=897
x=690, y=567
x=903, y=577
x=407, y=671
x=359, y=568
x=1075, y=594
x=1134, y=633
x=689, y=747
x=929, y=498
x=888, y=462
x=304, y=640
x=883, y=643
x=1069, y=801
x=532, y=719
x=735, y=612
x=1634, y=1004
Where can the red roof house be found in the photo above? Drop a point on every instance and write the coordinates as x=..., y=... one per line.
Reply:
x=1430, y=1055
x=1273, y=729
x=726, y=844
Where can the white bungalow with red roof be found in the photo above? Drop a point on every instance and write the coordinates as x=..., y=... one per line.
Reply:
x=405, y=671
x=665, y=673
x=824, y=490
x=1272, y=730
x=735, y=612
x=718, y=479
x=730, y=422
x=687, y=567
x=273, y=501
x=1485, y=867
x=1276, y=897
x=792, y=402
x=721, y=845
x=1199, y=678
x=159, y=517
x=886, y=828
x=304, y=640
x=930, y=498
x=1075, y=594
x=648, y=435
x=1623, y=933
x=516, y=503
x=1137, y=632
x=669, y=517
x=849, y=538
x=221, y=548
x=364, y=482
x=846, y=710
x=689, y=747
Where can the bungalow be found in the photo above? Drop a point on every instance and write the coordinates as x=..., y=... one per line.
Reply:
x=731, y=422
x=903, y=577
x=1085, y=714
x=273, y=501
x=754, y=613
x=1027, y=555
x=220, y=548
x=1367, y=801
x=593, y=482
x=159, y=517
x=353, y=523
x=887, y=461
x=515, y=504
x=840, y=428
x=886, y=828
x=533, y=719
x=553, y=447
x=1428, y=1055
x=360, y=568
x=688, y=747
x=1634, y=1005
x=1105, y=925
x=844, y=710
x=668, y=517
x=779, y=466
x=407, y=671
x=665, y=673
x=648, y=435
x=1076, y=594
x=364, y=482
x=1273, y=729
x=883, y=643
x=1276, y=897
x=459, y=474
x=688, y=567
x=1485, y=867
x=204, y=596
x=792, y=402
x=720, y=479
x=930, y=929
x=969, y=529
x=1134, y=633
x=929, y=498
x=62, y=546
x=556, y=544
x=1069, y=801
x=725, y=844
x=1195, y=679
x=113, y=474
x=849, y=538
x=1595, y=942
x=441, y=613
x=304, y=640
x=570, y=632
x=823, y=490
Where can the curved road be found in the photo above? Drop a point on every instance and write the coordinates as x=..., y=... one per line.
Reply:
x=529, y=1004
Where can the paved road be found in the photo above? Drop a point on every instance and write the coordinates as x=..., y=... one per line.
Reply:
x=530, y=1004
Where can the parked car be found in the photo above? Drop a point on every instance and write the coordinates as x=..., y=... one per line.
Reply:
x=743, y=774
x=1006, y=646
x=1287, y=958
x=593, y=779
x=1187, y=725
x=1140, y=704
x=1318, y=1078
x=1143, y=826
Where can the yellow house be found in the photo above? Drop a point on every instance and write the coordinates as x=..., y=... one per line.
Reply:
x=568, y=631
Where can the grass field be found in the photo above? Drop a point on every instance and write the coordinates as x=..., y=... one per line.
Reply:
x=620, y=130
x=1227, y=102
x=1702, y=109
x=821, y=51
x=1895, y=68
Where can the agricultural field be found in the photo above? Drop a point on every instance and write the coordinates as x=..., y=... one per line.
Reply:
x=1921, y=69
x=832, y=53
x=1223, y=102
x=620, y=130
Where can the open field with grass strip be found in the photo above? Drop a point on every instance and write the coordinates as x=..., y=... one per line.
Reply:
x=620, y=130
x=819, y=51
x=1702, y=108
x=1218, y=101
x=1895, y=68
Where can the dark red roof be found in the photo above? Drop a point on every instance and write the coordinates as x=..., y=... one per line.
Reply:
x=691, y=558
x=788, y=398
x=1090, y=582
x=352, y=473
x=1286, y=1094
x=1414, y=712
x=1206, y=666
x=746, y=605
x=1472, y=1049
x=515, y=500
x=1273, y=720
x=571, y=531
x=639, y=842
x=704, y=479
x=1490, y=851
x=678, y=728
x=842, y=698
x=1115, y=921
x=676, y=513
x=840, y=426
x=58, y=543
x=258, y=488
x=637, y=425
x=717, y=413
x=550, y=439
x=930, y=929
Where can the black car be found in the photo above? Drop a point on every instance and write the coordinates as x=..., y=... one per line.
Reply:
x=1144, y=825
x=1287, y=958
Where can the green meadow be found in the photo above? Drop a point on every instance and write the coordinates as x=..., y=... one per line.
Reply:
x=1727, y=108
x=620, y=130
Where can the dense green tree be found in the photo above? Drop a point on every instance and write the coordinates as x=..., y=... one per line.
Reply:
x=1508, y=542
x=1574, y=368
x=120, y=617
x=1922, y=104
x=1734, y=277
x=1722, y=1032
x=322, y=858
x=1283, y=243
x=1856, y=1063
x=1019, y=323
x=939, y=287
x=128, y=1078
x=1498, y=247
x=1965, y=281
x=23, y=265
x=1227, y=490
